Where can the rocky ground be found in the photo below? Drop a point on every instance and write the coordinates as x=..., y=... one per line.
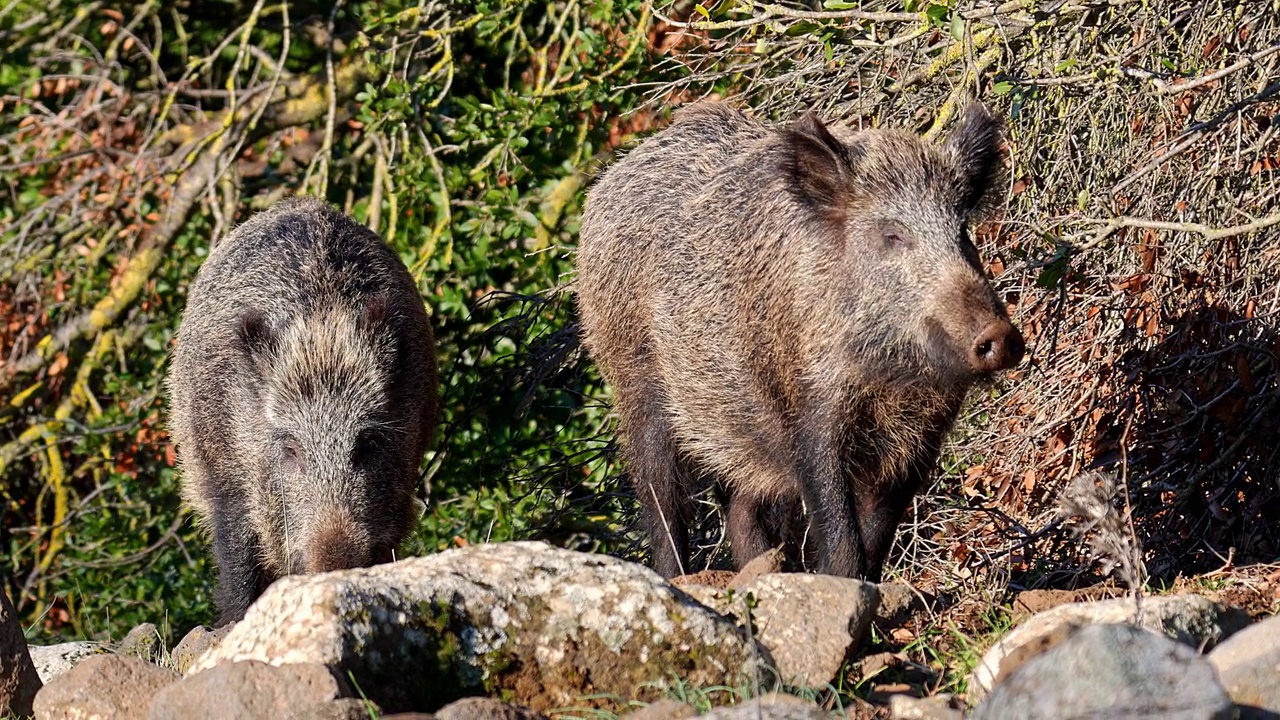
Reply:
x=525, y=630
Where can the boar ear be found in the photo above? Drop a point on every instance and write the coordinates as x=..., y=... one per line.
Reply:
x=974, y=144
x=375, y=323
x=375, y=311
x=255, y=335
x=819, y=167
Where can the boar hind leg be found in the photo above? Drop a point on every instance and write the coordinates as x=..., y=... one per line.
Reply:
x=659, y=479
x=241, y=577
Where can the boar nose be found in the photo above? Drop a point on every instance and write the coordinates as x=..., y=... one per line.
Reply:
x=334, y=548
x=998, y=347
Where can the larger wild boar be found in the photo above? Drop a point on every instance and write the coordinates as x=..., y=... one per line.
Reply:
x=795, y=314
x=303, y=395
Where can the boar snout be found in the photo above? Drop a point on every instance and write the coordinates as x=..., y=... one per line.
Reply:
x=998, y=347
x=335, y=546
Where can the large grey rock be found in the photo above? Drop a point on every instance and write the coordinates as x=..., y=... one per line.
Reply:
x=54, y=660
x=774, y=706
x=249, y=690
x=19, y=680
x=1193, y=620
x=103, y=687
x=197, y=642
x=1248, y=665
x=539, y=625
x=809, y=623
x=1110, y=671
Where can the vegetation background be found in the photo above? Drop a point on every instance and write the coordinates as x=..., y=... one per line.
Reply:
x=1138, y=252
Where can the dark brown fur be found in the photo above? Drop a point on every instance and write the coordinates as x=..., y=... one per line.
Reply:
x=303, y=396
x=793, y=314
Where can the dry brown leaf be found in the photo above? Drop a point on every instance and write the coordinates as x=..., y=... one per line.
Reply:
x=58, y=365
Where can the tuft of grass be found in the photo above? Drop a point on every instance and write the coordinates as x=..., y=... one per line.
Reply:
x=955, y=653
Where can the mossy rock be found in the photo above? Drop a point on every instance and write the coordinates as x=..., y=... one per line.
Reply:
x=525, y=622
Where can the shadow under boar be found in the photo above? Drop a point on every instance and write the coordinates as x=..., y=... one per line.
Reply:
x=794, y=315
x=303, y=395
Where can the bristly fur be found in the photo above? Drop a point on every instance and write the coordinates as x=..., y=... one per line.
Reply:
x=302, y=398
x=792, y=314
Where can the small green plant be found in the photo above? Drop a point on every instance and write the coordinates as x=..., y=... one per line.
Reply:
x=369, y=706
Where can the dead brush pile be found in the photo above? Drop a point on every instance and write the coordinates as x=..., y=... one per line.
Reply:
x=1139, y=251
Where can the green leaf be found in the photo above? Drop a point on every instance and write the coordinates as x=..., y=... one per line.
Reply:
x=937, y=14
x=801, y=28
x=702, y=11
x=1055, y=270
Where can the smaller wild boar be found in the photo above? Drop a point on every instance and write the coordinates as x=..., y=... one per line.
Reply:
x=793, y=315
x=302, y=398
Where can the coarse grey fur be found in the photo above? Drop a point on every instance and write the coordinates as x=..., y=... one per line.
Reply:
x=793, y=314
x=302, y=398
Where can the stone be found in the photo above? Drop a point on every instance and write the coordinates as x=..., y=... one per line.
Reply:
x=810, y=623
x=705, y=594
x=768, y=562
x=483, y=708
x=937, y=707
x=898, y=602
x=538, y=625
x=718, y=579
x=249, y=690
x=1191, y=619
x=1110, y=671
x=664, y=709
x=19, y=680
x=142, y=642
x=1248, y=665
x=54, y=660
x=774, y=706
x=196, y=643
x=103, y=687
x=341, y=709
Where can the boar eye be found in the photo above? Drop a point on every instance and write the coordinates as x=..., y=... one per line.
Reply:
x=893, y=237
x=291, y=453
x=368, y=446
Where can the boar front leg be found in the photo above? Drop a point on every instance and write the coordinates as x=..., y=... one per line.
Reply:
x=241, y=577
x=746, y=528
x=827, y=495
x=882, y=504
